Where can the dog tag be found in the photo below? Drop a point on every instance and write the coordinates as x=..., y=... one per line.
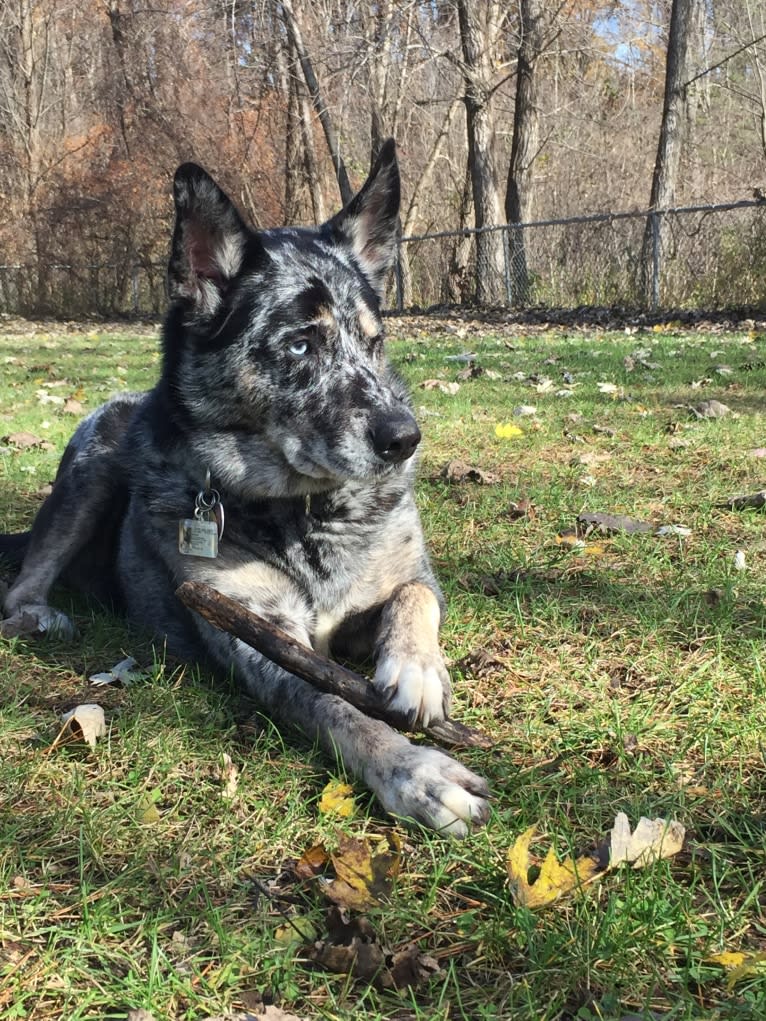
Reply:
x=198, y=538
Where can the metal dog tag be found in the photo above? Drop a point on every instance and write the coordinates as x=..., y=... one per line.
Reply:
x=198, y=538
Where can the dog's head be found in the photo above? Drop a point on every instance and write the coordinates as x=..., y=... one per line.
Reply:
x=275, y=338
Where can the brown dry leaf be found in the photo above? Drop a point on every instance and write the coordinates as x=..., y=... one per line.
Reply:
x=312, y=862
x=651, y=840
x=22, y=440
x=409, y=968
x=72, y=407
x=364, y=876
x=269, y=1013
x=364, y=961
x=458, y=471
x=450, y=389
x=710, y=409
x=555, y=878
x=84, y=721
x=352, y=948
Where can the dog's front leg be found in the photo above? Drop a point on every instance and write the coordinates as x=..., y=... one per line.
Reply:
x=411, y=781
x=410, y=673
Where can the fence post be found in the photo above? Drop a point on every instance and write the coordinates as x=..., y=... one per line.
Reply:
x=507, y=266
x=654, y=220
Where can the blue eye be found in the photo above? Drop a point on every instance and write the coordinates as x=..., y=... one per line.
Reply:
x=299, y=347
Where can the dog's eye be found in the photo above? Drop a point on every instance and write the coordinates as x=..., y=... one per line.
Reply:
x=299, y=347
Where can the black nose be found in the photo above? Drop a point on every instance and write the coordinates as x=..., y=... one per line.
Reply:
x=394, y=437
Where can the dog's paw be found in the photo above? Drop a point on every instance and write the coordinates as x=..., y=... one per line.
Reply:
x=38, y=619
x=432, y=788
x=418, y=686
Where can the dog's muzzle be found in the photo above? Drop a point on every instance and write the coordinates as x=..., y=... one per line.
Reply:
x=394, y=437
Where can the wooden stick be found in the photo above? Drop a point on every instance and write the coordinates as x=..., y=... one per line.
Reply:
x=229, y=615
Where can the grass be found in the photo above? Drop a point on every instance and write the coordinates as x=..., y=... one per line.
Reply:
x=629, y=676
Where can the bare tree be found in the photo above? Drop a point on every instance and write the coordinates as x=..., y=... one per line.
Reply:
x=293, y=27
x=670, y=145
x=480, y=23
x=519, y=195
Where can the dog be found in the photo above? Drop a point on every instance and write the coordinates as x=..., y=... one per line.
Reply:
x=274, y=460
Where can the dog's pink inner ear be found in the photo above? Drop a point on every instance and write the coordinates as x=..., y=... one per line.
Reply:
x=202, y=259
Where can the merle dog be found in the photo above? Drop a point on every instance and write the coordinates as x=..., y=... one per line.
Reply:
x=274, y=460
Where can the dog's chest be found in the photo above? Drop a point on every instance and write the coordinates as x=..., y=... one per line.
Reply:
x=344, y=556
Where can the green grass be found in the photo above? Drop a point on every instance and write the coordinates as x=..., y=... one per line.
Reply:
x=628, y=678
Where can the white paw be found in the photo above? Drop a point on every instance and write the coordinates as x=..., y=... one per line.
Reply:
x=38, y=619
x=432, y=788
x=417, y=687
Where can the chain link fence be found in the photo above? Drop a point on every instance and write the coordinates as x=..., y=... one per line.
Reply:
x=709, y=257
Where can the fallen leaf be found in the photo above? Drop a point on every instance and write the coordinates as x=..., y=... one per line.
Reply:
x=608, y=388
x=450, y=389
x=337, y=799
x=268, y=1013
x=740, y=562
x=312, y=862
x=84, y=721
x=228, y=773
x=24, y=440
x=147, y=812
x=740, y=965
x=710, y=409
x=459, y=471
x=591, y=457
x=651, y=840
x=524, y=410
x=508, y=431
x=681, y=530
x=72, y=407
x=572, y=541
x=521, y=508
x=364, y=876
x=555, y=878
x=295, y=931
x=364, y=961
x=409, y=968
x=121, y=674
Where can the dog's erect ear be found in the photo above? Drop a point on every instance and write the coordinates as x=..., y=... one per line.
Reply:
x=208, y=240
x=369, y=222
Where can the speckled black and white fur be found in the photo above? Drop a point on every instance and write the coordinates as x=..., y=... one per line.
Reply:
x=275, y=381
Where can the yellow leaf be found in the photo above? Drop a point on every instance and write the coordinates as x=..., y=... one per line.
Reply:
x=508, y=431
x=728, y=959
x=740, y=965
x=555, y=878
x=337, y=799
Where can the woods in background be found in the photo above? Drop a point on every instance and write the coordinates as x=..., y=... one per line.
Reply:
x=503, y=113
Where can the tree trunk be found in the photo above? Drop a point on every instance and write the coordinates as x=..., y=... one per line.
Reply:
x=317, y=99
x=478, y=22
x=669, y=148
x=519, y=195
